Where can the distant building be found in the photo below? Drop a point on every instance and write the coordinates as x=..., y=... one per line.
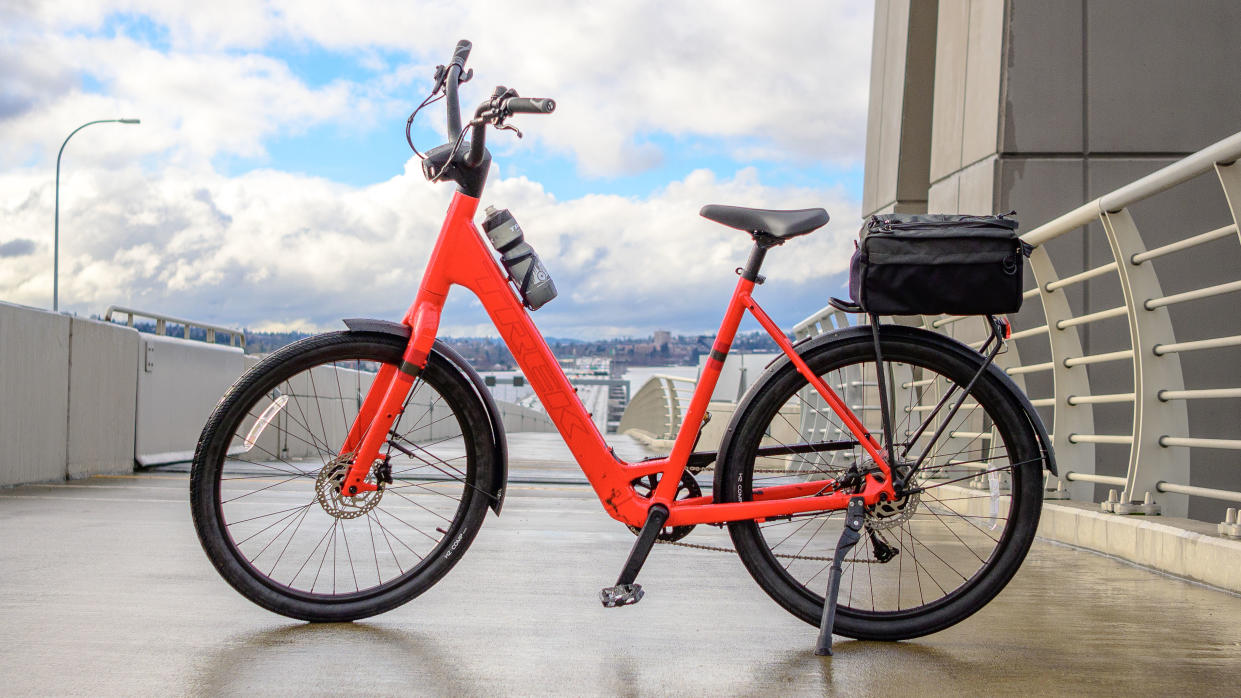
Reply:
x=662, y=338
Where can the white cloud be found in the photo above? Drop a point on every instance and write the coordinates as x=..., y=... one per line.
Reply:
x=149, y=220
x=787, y=81
x=194, y=106
x=271, y=249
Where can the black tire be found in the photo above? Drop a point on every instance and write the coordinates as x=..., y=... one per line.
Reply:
x=260, y=505
x=953, y=558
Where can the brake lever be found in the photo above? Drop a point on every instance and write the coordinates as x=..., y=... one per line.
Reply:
x=501, y=126
x=441, y=75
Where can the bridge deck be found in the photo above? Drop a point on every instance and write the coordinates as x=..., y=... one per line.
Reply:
x=104, y=590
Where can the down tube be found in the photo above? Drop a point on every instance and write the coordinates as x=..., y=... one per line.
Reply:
x=594, y=456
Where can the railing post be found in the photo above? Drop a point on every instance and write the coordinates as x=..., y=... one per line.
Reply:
x=674, y=408
x=1149, y=462
x=1070, y=457
x=1230, y=180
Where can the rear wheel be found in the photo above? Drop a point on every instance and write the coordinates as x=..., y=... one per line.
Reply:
x=927, y=560
x=266, y=475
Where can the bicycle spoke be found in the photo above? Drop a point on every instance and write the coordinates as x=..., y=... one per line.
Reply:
x=430, y=537
x=923, y=548
x=422, y=507
x=370, y=530
x=299, y=516
x=279, y=503
x=270, y=526
x=261, y=489
x=292, y=535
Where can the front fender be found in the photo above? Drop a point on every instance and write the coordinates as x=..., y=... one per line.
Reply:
x=942, y=343
x=499, y=443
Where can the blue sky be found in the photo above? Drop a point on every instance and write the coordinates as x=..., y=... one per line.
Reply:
x=270, y=171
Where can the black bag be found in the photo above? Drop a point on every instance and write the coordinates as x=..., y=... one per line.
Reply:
x=928, y=264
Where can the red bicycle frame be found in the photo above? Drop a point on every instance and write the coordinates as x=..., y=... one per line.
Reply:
x=461, y=257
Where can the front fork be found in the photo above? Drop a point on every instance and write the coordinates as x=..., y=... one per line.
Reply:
x=386, y=399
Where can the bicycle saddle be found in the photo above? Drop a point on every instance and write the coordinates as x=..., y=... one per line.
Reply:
x=781, y=224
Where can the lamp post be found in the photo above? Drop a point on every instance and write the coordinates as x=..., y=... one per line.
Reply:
x=56, y=223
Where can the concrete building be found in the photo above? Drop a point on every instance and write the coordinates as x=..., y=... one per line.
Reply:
x=661, y=339
x=981, y=106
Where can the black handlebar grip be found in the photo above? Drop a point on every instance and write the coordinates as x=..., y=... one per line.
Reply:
x=529, y=105
x=461, y=53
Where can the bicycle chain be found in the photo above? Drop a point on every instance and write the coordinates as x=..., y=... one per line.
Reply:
x=718, y=549
x=733, y=551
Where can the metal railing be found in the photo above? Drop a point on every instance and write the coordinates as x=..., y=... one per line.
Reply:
x=1160, y=441
x=236, y=338
x=658, y=406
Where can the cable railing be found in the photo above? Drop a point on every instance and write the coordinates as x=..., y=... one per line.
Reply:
x=1161, y=442
x=236, y=338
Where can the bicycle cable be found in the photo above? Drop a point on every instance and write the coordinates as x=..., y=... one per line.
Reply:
x=431, y=99
x=452, y=153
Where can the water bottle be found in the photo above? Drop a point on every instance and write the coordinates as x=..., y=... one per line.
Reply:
x=525, y=269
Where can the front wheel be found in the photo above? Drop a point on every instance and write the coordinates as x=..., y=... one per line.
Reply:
x=927, y=560
x=264, y=489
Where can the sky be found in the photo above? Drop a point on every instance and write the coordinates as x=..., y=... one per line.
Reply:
x=269, y=185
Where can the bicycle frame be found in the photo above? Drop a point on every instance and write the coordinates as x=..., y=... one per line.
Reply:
x=461, y=257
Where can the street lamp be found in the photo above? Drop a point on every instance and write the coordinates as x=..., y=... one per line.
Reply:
x=56, y=224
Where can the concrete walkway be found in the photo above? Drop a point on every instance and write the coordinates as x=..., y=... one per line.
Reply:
x=104, y=591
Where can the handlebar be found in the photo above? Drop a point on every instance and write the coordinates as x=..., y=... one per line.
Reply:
x=494, y=111
x=503, y=104
x=529, y=105
x=459, y=56
x=461, y=53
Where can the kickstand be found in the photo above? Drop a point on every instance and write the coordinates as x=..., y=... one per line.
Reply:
x=854, y=516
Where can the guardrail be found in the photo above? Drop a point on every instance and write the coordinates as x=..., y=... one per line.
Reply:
x=1160, y=441
x=236, y=338
x=658, y=406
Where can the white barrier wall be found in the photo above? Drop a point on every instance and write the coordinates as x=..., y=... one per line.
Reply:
x=67, y=391
x=34, y=394
x=517, y=418
x=179, y=383
x=80, y=397
x=102, y=393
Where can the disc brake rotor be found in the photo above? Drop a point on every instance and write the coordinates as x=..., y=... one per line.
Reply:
x=327, y=492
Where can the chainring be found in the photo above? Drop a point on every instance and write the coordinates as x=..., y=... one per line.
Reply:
x=687, y=488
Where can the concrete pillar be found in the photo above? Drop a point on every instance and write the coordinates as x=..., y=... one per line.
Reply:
x=898, y=134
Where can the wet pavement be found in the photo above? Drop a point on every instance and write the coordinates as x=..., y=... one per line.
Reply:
x=104, y=591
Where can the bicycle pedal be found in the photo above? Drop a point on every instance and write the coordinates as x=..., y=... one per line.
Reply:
x=621, y=595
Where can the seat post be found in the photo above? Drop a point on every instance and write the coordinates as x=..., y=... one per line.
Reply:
x=762, y=242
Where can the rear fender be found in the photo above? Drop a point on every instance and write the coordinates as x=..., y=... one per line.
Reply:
x=940, y=342
x=499, y=443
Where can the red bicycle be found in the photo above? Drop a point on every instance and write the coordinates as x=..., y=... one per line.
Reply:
x=345, y=474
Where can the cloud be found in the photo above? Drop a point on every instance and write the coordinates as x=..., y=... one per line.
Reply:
x=272, y=249
x=784, y=82
x=193, y=106
x=151, y=219
x=17, y=248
